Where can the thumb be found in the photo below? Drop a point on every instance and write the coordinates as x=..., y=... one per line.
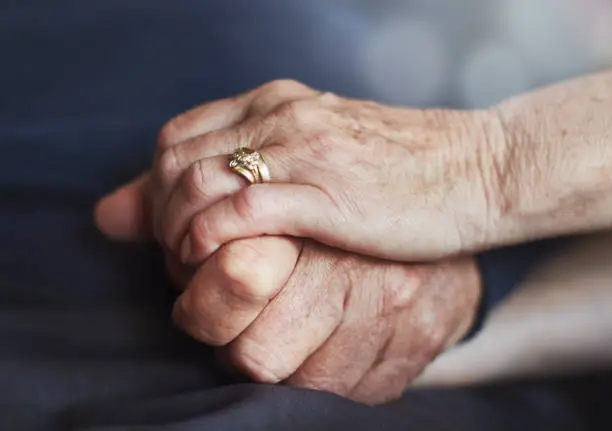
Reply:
x=124, y=214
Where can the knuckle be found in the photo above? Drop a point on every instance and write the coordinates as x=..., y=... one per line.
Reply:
x=200, y=229
x=168, y=166
x=328, y=98
x=438, y=334
x=214, y=336
x=195, y=181
x=430, y=335
x=284, y=86
x=274, y=94
x=244, y=269
x=299, y=112
x=168, y=136
x=399, y=289
x=320, y=145
x=255, y=360
x=287, y=110
x=246, y=203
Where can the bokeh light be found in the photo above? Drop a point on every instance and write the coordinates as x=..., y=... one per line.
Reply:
x=404, y=60
x=479, y=51
x=493, y=71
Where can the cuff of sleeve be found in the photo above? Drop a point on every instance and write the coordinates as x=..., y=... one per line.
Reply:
x=502, y=271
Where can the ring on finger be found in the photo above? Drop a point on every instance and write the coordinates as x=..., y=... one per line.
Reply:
x=250, y=164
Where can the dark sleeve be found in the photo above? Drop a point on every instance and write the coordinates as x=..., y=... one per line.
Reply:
x=502, y=270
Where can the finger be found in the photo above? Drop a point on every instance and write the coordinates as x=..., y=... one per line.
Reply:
x=398, y=360
x=253, y=132
x=423, y=329
x=273, y=94
x=342, y=361
x=168, y=164
x=339, y=364
x=181, y=149
x=179, y=158
x=205, y=118
x=176, y=159
x=261, y=209
x=385, y=382
x=206, y=182
x=233, y=286
x=294, y=324
x=124, y=214
x=223, y=113
x=405, y=354
x=370, y=325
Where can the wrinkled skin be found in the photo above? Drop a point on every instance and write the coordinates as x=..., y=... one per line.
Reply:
x=388, y=182
x=324, y=319
x=348, y=324
x=296, y=310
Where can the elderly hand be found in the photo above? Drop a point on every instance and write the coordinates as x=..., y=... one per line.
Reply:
x=355, y=326
x=300, y=312
x=287, y=309
x=394, y=183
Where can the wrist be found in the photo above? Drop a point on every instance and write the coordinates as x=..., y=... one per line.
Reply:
x=555, y=164
x=494, y=155
x=530, y=178
x=507, y=155
x=524, y=190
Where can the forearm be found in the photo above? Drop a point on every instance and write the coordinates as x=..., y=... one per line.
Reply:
x=558, y=321
x=554, y=170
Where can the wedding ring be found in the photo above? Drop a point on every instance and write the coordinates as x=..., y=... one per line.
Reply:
x=250, y=164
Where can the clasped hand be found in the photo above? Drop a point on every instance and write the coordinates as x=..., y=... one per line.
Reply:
x=309, y=279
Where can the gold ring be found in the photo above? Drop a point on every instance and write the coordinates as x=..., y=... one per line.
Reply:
x=250, y=164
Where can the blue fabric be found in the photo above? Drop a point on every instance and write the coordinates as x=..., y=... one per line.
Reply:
x=86, y=342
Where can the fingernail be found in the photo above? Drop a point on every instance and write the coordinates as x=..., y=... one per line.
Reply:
x=186, y=249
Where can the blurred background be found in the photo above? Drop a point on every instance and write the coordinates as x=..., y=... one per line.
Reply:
x=468, y=53
x=475, y=52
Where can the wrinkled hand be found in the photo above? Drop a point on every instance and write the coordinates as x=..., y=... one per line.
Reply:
x=355, y=326
x=312, y=316
x=395, y=183
x=343, y=323
x=289, y=310
x=315, y=317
